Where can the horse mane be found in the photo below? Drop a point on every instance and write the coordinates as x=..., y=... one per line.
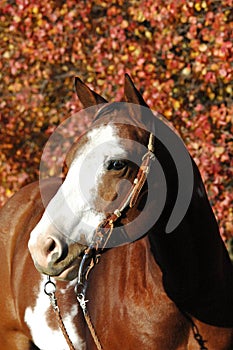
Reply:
x=197, y=271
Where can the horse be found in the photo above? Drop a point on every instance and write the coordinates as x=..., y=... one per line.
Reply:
x=130, y=234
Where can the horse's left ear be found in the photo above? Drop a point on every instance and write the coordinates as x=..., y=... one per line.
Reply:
x=87, y=96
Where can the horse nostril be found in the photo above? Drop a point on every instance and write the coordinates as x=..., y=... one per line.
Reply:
x=55, y=250
x=52, y=246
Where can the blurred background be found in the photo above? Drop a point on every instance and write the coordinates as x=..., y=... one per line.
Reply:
x=178, y=53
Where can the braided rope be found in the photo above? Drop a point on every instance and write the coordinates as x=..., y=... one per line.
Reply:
x=63, y=329
x=92, y=331
x=83, y=304
x=50, y=289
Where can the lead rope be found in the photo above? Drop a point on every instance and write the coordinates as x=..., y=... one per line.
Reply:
x=81, y=287
x=50, y=289
x=82, y=303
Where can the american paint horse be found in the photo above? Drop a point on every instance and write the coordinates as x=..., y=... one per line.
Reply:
x=151, y=289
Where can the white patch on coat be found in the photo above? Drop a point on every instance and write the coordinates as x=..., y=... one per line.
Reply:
x=43, y=336
x=72, y=211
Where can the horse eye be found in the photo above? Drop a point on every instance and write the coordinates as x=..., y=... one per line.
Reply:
x=116, y=164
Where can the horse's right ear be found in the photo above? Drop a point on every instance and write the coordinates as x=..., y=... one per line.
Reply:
x=87, y=96
x=138, y=114
x=132, y=95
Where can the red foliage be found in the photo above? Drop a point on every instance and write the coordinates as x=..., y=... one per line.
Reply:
x=179, y=52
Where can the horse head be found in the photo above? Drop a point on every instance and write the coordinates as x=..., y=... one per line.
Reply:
x=109, y=179
x=103, y=165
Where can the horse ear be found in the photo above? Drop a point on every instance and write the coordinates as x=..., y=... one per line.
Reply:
x=87, y=96
x=139, y=114
x=132, y=95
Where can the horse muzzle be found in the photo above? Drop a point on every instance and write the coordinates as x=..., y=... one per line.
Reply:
x=54, y=257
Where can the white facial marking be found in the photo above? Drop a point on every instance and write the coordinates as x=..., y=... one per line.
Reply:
x=72, y=210
x=43, y=336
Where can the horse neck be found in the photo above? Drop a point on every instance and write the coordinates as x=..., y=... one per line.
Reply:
x=130, y=267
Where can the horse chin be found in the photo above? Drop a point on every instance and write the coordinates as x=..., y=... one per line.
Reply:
x=69, y=273
x=64, y=272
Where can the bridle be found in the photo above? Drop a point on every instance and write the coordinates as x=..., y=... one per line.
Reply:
x=100, y=239
x=99, y=242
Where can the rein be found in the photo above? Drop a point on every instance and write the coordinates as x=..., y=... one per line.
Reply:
x=50, y=289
